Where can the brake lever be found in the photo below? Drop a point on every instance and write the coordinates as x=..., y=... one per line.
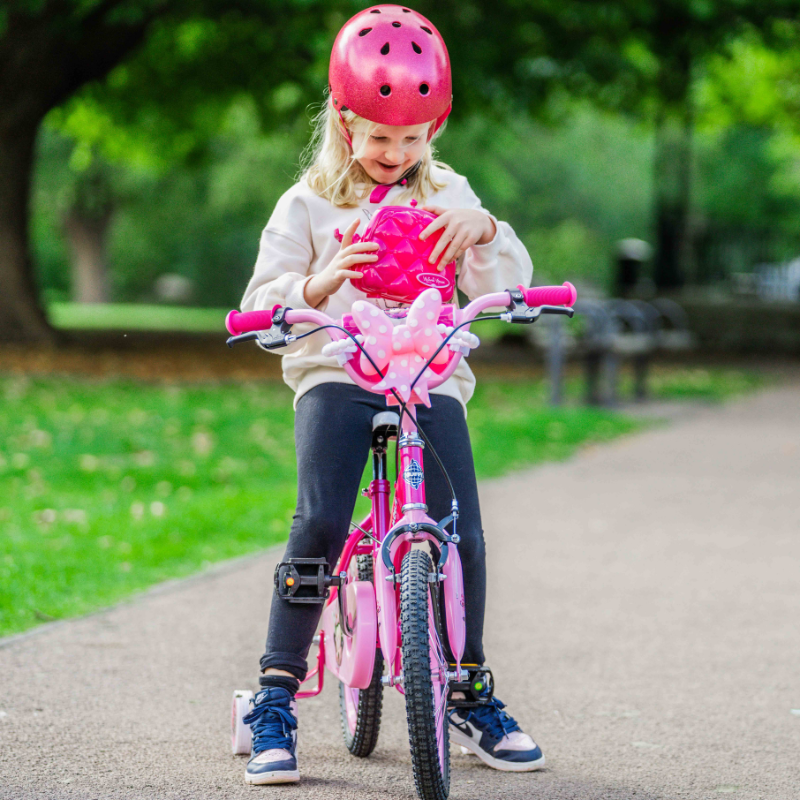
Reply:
x=242, y=337
x=564, y=310
x=529, y=314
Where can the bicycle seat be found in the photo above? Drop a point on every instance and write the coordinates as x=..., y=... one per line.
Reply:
x=387, y=419
x=385, y=425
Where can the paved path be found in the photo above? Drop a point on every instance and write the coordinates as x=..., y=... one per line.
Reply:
x=644, y=609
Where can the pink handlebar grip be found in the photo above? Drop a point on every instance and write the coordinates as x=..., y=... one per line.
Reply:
x=243, y=322
x=550, y=295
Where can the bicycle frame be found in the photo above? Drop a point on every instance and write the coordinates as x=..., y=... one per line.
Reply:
x=392, y=531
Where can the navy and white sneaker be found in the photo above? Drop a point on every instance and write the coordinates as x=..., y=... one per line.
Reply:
x=273, y=721
x=495, y=737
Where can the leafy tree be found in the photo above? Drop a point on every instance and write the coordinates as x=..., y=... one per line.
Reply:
x=180, y=62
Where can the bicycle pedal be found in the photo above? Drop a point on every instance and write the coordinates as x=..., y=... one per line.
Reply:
x=476, y=690
x=304, y=580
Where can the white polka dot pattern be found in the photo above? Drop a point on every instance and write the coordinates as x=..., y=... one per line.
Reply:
x=390, y=346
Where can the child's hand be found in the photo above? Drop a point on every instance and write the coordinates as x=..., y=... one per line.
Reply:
x=463, y=227
x=340, y=269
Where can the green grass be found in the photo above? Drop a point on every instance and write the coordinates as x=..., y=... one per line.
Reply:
x=697, y=383
x=135, y=316
x=109, y=487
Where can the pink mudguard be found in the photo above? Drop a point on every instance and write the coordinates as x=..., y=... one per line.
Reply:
x=351, y=658
x=402, y=271
x=387, y=612
x=454, y=603
x=244, y=322
x=550, y=295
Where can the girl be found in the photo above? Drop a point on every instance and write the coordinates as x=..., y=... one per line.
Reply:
x=390, y=93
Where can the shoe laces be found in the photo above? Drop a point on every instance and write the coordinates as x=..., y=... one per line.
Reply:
x=491, y=718
x=272, y=721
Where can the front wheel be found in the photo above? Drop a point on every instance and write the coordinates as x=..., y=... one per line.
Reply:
x=360, y=709
x=424, y=679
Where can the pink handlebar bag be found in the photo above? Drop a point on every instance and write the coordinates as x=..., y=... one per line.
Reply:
x=402, y=271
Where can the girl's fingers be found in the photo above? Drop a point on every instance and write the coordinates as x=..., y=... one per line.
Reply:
x=359, y=258
x=359, y=247
x=443, y=242
x=434, y=209
x=347, y=239
x=349, y=273
x=439, y=222
x=453, y=249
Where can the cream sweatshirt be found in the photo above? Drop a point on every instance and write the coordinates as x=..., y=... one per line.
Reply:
x=298, y=242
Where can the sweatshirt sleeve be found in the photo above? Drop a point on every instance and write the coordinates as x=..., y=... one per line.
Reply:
x=284, y=258
x=500, y=264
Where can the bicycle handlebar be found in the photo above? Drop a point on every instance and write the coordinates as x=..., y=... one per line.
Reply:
x=548, y=299
x=247, y=321
x=238, y=322
x=564, y=295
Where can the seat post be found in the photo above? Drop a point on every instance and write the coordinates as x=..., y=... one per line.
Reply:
x=384, y=428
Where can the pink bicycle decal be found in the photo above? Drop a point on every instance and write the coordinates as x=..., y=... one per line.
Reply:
x=390, y=604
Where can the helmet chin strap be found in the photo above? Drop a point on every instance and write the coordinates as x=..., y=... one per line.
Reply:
x=343, y=124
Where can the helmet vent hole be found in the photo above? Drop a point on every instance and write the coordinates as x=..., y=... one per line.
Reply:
x=417, y=48
x=385, y=49
x=427, y=30
x=395, y=24
x=386, y=90
x=364, y=32
x=424, y=88
x=406, y=11
x=375, y=11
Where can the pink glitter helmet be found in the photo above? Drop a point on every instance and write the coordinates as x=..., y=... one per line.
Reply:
x=390, y=65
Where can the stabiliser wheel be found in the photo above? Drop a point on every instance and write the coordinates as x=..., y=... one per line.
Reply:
x=424, y=680
x=360, y=709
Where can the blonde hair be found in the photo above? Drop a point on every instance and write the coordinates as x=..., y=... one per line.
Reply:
x=332, y=170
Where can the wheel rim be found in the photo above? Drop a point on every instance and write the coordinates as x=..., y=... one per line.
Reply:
x=439, y=686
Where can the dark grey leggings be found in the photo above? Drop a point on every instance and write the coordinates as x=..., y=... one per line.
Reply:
x=333, y=432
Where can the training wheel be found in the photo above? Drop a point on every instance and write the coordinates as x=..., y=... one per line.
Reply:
x=241, y=739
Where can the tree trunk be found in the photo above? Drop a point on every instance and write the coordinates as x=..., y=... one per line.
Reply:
x=21, y=319
x=87, y=233
x=87, y=243
x=47, y=52
x=673, y=166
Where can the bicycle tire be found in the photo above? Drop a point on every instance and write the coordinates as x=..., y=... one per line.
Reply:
x=430, y=749
x=362, y=738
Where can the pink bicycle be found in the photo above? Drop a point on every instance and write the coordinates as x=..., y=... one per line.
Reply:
x=388, y=604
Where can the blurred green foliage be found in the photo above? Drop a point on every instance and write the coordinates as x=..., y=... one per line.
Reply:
x=570, y=190
x=193, y=181
x=187, y=117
